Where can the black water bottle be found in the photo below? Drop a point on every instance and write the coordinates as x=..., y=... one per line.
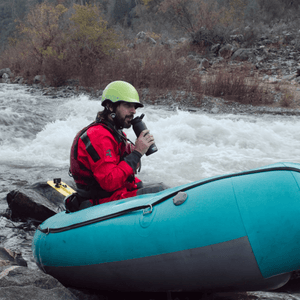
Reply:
x=138, y=126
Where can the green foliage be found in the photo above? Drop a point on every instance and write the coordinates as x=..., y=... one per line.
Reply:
x=90, y=32
x=41, y=28
x=146, y=2
x=61, y=47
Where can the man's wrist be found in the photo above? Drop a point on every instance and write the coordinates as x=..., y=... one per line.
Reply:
x=133, y=159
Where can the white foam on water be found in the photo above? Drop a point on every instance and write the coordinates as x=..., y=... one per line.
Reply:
x=196, y=146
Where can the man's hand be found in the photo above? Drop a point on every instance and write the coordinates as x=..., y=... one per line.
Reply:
x=144, y=141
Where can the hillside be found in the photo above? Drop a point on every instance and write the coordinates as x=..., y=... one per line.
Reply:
x=241, y=50
x=144, y=15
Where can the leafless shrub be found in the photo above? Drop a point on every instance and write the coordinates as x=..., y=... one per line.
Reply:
x=147, y=67
x=233, y=86
x=287, y=99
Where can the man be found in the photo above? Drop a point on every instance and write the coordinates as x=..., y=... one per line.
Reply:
x=103, y=163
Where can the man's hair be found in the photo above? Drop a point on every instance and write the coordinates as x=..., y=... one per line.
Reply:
x=103, y=115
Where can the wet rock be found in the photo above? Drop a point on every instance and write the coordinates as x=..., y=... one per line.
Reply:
x=18, y=80
x=17, y=282
x=39, y=79
x=6, y=71
x=215, y=110
x=5, y=78
x=39, y=202
x=17, y=237
x=11, y=258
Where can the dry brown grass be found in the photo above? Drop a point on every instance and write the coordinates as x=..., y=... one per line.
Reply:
x=233, y=84
x=159, y=69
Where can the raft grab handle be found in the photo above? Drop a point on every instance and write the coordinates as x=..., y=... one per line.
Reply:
x=149, y=210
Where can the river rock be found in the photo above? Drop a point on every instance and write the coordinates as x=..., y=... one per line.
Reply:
x=6, y=71
x=10, y=258
x=18, y=80
x=39, y=79
x=38, y=202
x=5, y=78
x=17, y=282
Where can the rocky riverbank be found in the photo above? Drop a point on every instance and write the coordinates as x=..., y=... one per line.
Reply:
x=179, y=100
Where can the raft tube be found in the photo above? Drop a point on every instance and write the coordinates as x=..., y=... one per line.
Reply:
x=236, y=232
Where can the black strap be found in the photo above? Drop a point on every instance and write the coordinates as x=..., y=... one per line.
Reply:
x=89, y=147
x=92, y=191
x=78, y=137
x=123, y=212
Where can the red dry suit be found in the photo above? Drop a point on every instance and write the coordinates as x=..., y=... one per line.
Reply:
x=103, y=164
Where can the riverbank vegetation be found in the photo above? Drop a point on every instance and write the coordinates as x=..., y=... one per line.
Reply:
x=94, y=42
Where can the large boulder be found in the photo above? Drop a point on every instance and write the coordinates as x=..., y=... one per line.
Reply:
x=38, y=202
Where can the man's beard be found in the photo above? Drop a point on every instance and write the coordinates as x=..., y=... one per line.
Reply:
x=122, y=122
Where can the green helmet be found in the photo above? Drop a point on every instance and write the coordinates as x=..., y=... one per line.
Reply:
x=121, y=91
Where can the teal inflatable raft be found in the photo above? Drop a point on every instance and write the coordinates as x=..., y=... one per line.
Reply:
x=232, y=232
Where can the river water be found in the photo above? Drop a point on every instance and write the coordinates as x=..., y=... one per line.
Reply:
x=36, y=133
